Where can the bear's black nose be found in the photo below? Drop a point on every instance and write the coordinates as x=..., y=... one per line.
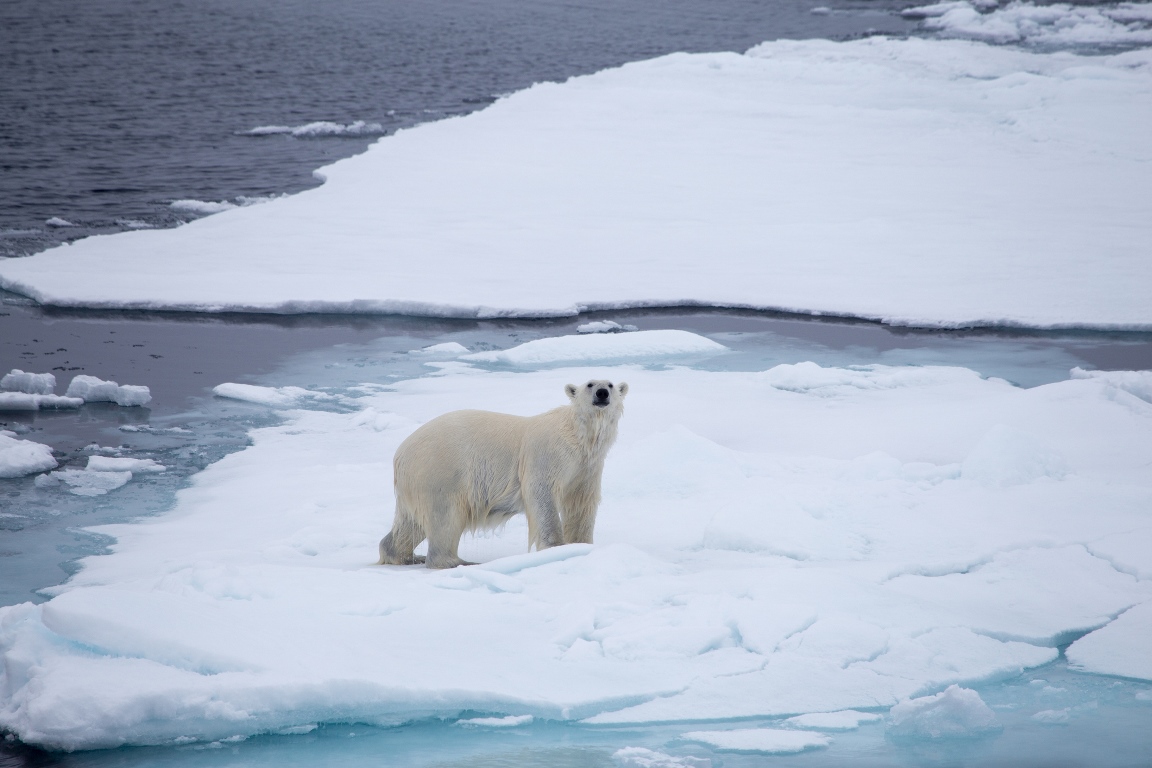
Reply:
x=601, y=394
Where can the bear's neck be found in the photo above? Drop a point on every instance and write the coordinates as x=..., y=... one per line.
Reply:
x=594, y=433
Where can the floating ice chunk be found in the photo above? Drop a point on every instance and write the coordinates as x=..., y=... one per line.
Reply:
x=319, y=129
x=31, y=383
x=1121, y=648
x=201, y=206
x=1138, y=383
x=56, y=221
x=276, y=397
x=600, y=347
x=23, y=457
x=1006, y=456
x=1053, y=716
x=511, y=721
x=111, y=464
x=639, y=757
x=768, y=741
x=953, y=713
x=86, y=482
x=1046, y=25
x=447, y=349
x=134, y=224
x=604, y=326
x=845, y=720
x=19, y=401
x=93, y=390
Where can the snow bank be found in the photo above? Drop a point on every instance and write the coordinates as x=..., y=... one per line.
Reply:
x=1055, y=25
x=913, y=181
x=31, y=383
x=93, y=390
x=761, y=551
x=953, y=713
x=23, y=457
x=590, y=348
x=767, y=741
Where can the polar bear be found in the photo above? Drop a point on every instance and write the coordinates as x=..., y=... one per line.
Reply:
x=468, y=470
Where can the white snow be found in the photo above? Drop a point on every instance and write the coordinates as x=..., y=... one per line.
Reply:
x=588, y=348
x=23, y=457
x=953, y=713
x=1121, y=648
x=797, y=541
x=913, y=181
x=93, y=390
x=115, y=464
x=1057, y=24
x=769, y=741
x=32, y=383
x=845, y=720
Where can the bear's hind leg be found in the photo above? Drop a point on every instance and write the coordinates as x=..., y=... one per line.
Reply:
x=396, y=548
x=446, y=526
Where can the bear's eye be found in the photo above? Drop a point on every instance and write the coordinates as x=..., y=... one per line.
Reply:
x=589, y=385
x=609, y=386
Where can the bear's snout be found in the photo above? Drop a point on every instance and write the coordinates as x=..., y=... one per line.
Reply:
x=601, y=397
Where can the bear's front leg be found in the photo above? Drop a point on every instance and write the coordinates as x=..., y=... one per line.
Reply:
x=544, y=528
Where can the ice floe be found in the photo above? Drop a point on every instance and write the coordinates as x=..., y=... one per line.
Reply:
x=797, y=541
x=1048, y=25
x=845, y=720
x=912, y=181
x=589, y=348
x=276, y=397
x=320, y=128
x=953, y=713
x=93, y=390
x=17, y=380
x=641, y=757
x=23, y=457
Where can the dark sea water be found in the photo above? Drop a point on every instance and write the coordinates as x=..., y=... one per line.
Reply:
x=111, y=110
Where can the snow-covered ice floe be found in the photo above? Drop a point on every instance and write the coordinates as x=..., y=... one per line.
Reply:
x=276, y=397
x=912, y=181
x=17, y=380
x=768, y=741
x=23, y=457
x=1046, y=25
x=790, y=542
x=589, y=348
x=91, y=389
x=23, y=391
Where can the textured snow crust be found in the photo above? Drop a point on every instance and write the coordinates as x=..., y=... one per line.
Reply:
x=912, y=181
x=797, y=541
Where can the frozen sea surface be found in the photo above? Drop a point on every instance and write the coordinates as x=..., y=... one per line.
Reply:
x=322, y=477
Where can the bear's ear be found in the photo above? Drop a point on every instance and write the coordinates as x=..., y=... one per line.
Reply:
x=622, y=389
x=570, y=390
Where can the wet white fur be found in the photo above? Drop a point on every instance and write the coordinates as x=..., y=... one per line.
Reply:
x=468, y=470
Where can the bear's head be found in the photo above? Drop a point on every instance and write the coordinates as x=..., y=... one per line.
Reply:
x=598, y=395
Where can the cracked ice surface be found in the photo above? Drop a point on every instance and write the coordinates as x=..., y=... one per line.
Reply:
x=799, y=540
